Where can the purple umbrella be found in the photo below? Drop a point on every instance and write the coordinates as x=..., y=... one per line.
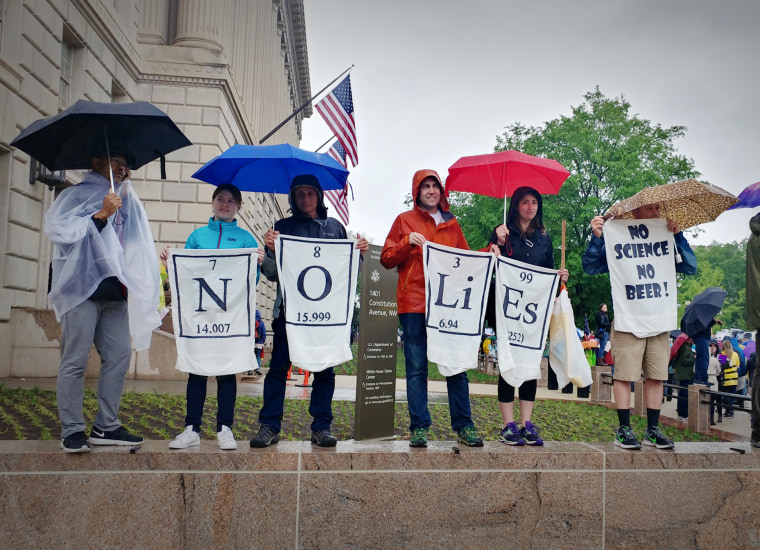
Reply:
x=749, y=198
x=749, y=348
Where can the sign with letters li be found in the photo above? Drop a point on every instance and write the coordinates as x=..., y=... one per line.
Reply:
x=214, y=295
x=524, y=299
x=318, y=283
x=641, y=258
x=456, y=291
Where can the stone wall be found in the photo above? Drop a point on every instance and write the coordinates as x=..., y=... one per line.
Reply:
x=381, y=495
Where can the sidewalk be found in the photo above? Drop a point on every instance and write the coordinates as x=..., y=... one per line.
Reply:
x=345, y=390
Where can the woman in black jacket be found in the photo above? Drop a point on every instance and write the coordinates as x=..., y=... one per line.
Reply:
x=523, y=238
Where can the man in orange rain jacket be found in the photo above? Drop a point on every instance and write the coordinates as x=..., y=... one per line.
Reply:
x=429, y=220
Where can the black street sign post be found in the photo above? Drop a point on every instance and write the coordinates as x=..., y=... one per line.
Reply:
x=376, y=364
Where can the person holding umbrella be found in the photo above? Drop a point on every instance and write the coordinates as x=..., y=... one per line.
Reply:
x=633, y=354
x=310, y=220
x=104, y=287
x=523, y=238
x=221, y=232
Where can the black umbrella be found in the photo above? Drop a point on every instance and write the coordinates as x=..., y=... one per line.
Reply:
x=67, y=141
x=702, y=309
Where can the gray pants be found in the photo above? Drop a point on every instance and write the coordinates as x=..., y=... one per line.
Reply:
x=106, y=324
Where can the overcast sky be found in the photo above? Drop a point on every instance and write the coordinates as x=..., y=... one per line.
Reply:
x=435, y=80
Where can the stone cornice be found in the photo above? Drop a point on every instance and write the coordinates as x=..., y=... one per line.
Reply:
x=300, y=65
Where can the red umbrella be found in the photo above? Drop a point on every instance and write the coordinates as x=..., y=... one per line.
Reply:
x=499, y=174
x=677, y=344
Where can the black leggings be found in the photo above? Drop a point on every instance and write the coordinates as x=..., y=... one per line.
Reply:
x=527, y=391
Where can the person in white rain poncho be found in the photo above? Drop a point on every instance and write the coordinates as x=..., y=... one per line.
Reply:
x=104, y=288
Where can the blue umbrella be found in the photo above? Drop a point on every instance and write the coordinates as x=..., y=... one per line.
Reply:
x=271, y=168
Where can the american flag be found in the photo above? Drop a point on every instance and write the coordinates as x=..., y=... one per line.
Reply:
x=337, y=108
x=338, y=197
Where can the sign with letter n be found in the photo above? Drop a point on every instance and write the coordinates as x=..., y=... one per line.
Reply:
x=214, y=304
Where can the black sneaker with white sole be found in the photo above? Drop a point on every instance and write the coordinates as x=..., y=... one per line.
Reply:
x=119, y=436
x=75, y=443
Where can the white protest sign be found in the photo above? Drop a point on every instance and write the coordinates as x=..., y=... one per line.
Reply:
x=318, y=284
x=640, y=255
x=214, y=304
x=524, y=298
x=456, y=291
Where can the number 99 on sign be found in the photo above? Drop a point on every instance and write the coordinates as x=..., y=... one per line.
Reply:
x=313, y=317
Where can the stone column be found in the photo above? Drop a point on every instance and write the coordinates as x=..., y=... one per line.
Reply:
x=601, y=386
x=639, y=403
x=699, y=413
x=154, y=22
x=198, y=24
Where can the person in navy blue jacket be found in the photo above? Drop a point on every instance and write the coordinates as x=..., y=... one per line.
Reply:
x=221, y=232
x=632, y=354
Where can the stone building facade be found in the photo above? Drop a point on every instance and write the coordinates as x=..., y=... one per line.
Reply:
x=226, y=72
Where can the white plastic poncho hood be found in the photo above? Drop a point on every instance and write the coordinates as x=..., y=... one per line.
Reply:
x=84, y=256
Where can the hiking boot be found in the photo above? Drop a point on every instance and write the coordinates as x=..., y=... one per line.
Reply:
x=266, y=437
x=626, y=439
x=324, y=438
x=469, y=437
x=119, y=436
x=225, y=439
x=419, y=437
x=529, y=433
x=510, y=435
x=655, y=438
x=75, y=443
x=188, y=438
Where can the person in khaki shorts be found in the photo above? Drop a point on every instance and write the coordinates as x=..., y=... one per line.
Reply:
x=634, y=356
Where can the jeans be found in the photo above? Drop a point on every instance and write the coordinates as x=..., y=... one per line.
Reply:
x=702, y=347
x=323, y=386
x=415, y=356
x=226, y=392
x=682, y=407
x=602, y=345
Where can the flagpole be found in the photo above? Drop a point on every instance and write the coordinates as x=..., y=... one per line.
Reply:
x=302, y=107
x=325, y=143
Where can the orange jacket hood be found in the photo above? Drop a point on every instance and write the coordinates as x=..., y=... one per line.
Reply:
x=419, y=176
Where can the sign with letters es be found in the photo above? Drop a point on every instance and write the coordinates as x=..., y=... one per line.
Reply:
x=318, y=284
x=456, y=291
x=214, y=300
x=641, y=258
x=524, y=299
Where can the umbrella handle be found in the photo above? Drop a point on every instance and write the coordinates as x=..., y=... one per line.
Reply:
x=504, y=219
x=564, y=231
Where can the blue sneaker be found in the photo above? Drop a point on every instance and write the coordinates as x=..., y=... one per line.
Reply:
x=529, y=433
x=510, y=435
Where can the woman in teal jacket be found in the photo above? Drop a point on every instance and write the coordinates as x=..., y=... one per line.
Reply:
x=222, y=231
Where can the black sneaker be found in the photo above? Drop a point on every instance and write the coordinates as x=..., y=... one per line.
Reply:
x=266, y=437
x=626, y=439
x=324, y=438
x=119, y=436
x=75, y=443
x=655, y=438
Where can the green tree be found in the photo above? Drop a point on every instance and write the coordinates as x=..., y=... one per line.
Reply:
x=610, y=153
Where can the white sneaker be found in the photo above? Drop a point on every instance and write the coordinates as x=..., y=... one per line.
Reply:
x=226, y=439
x=186, y=439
